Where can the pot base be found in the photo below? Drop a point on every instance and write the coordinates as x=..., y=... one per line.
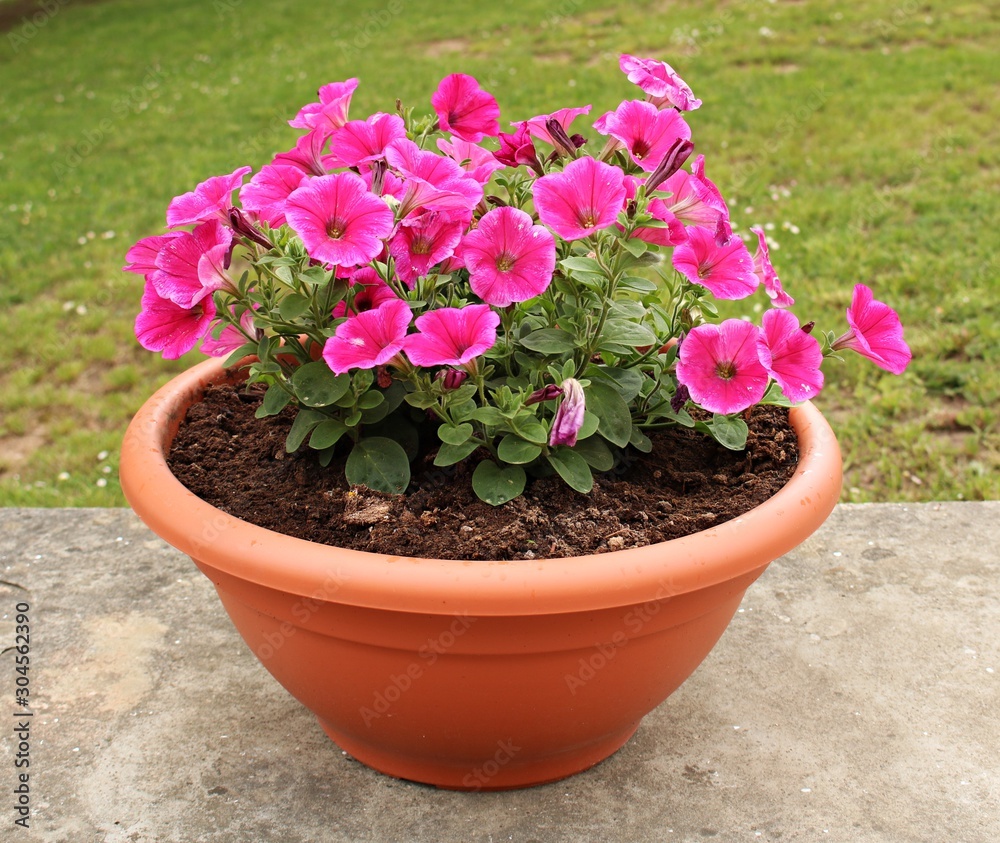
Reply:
x=509, y=769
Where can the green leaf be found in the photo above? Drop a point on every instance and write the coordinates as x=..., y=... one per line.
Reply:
x=489, y=415
x=451, y=454
x=580, y=264
x=626, y=382
x=305, y=421
x=635, y=284
x=454, y=434
x=590, y=424
x=421, y=400
x=513, y=449
x=244, y=350
x=640, y=441
x=624, y=332
x=496, y=485
x=370, y=400
x=636, y=247
x=275, y=400
x=530, y=428
x=380, y=464
x=729, y=431
x=572, y=468
x=549, y=341
x=596, y=452
x=399, y=430
x=293, y=306
x=327, y=433
x=615, y=418
x=776, y=397
x=316, y=385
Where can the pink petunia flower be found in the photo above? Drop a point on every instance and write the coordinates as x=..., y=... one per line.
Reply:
x=334, y=101
x=517, y=149
x=875, y=332
x=191, y=267
x=268, y=191
x=726, y=270
x=791, y=356
x=693, y=201
x=465, y=109
x=585, y=197
x=646, y=132
x=564, y=116
x=452, y=336
x=361, y=142
x=569, y=416
x=230, y=338
x=211, y=199
x=673, y=235
x=424, y=242
x=433, y=182
x=764, y=270
x=372, y=338
x=509, y=259
x=659, y=81
x=720, y=367
x=339, y=221
x=142, y=256
x=479, y=163
x=165, y=326
x=309, y=155
x=368, y=291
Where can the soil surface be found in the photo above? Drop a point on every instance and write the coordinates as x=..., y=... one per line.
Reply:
x=688, y=482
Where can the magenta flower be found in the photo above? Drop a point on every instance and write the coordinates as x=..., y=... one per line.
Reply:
x=334, y=101
x=509, y=259
x=452, y=336
x=659, y=81
x=368, y=291
x=465, y=109
x=585, y=197
x=361, y=142
x=433, y=182
x=165, y=326
x=791, y=356
x=268, y=191
x=765, y=272
x=726, y=270
x=192, y=266
x=693, y=202
x=479, y=163
x=230, y=338
x=518, y=149
x=564, y=116
x=370, y=339
x=339, y=221
x=646, y=132
x=569, y=416
x=875, y=332
x=424, y=241
x=309, y=155
x=211, y=199
x=720, y=367
x=142, y=256
x=673, y=235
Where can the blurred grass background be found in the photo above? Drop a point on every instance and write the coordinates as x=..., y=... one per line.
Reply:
x=865, y=136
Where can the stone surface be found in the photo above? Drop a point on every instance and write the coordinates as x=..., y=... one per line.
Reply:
x=855, y=697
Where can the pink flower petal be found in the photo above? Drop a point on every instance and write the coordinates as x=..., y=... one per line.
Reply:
x=509, y=259
x=791, y=356
x=370, y=339
x=452, y=336
x=719, y=366
x=465, y=109
x=765, y=272
x=875, y=332
x=585, y=197
x=211, y=198
x=647, y=133
x=659, y=80
x=268, y=190
x=163, y=325
x=727, y=270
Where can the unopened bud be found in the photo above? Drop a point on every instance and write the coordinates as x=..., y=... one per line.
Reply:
x=560, y=140
x=679, y=398
x=546, y=393
x=241, y=225
x=674, y=159
x=452, y=378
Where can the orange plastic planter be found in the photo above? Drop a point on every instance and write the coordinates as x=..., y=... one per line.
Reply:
x=473, y=675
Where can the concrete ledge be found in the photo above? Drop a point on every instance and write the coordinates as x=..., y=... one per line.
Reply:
x=855, y=697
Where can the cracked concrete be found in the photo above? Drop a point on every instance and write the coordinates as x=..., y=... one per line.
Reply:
x=855, y=697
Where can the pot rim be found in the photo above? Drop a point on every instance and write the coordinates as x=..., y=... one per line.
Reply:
x=215, y=540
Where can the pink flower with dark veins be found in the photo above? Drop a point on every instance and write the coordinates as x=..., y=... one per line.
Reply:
x=361, y=142
x=727, y=271
x=659, y=81
x=211, y=199
x=191, y=267
x=339, y=221
x=268, y=191
x=720, y=367
x=165, y=326
x=424, y=242
x=585, y=197
x=479, y=163
x=465, y=109
x=791, y=356
x=334, y=101
x=452, y=336
x=508, y=257
x=764, y=270
x=372, y=338
x=876, y=332
x=647, y=133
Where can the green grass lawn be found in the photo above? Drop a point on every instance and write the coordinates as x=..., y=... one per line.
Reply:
x=866, y=134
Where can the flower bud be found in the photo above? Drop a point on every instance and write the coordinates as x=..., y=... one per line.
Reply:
x=452, y=378
x=669, y=164
x=560, y=140
x=569, y=417
x=241, y=225
x=546, y=393
x=679, y=398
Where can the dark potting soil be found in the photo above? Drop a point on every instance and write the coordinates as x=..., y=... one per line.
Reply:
x=688, y=482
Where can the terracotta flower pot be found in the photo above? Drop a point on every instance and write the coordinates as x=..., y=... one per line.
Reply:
x=473, y=675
